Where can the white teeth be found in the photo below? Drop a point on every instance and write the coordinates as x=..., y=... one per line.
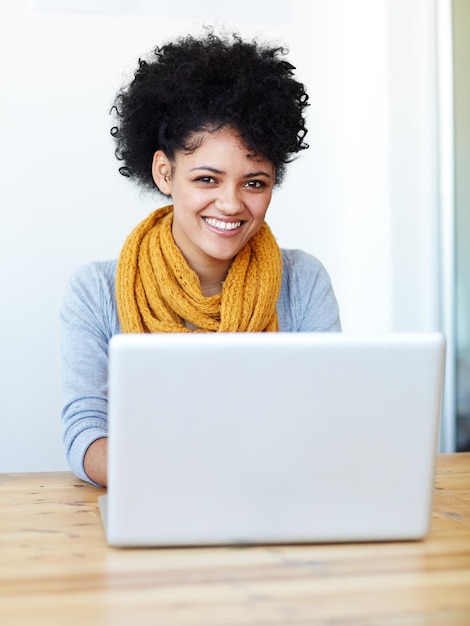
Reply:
x=222, y=225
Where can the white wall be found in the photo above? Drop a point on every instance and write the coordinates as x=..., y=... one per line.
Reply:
x=363, y=198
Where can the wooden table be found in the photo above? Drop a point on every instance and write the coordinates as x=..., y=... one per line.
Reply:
x=55, y=568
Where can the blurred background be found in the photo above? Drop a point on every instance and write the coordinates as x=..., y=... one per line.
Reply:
x=382, y=197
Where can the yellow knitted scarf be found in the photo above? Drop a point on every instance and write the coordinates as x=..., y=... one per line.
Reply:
x=157, y=291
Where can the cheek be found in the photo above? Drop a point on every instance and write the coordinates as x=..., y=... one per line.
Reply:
x=192, y=199
x=260, y=207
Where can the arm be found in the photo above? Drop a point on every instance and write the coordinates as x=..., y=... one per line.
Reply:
x=95, y=462
x=88, y=322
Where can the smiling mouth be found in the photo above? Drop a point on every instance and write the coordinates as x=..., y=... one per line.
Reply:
x=222, y=225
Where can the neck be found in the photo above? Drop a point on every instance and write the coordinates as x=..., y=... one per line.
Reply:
x=211, y=275
x=212, y=280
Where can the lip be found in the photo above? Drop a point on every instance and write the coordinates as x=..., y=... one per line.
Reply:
x=223, y=226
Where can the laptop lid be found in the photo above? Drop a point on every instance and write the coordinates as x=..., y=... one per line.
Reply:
x=271, y=437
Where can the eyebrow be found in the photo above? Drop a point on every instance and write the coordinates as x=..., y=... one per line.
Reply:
x=214, y=170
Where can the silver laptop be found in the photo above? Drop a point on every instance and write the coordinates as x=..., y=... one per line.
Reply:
x=271, y=437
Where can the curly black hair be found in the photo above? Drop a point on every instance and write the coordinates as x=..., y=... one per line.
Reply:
x=192, y=85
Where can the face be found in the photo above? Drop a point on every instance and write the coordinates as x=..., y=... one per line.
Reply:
x=220, y=196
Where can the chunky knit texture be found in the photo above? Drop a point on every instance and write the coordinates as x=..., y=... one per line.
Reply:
x=157, y=291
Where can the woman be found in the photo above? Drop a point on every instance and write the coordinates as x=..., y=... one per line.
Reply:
x=211, y=123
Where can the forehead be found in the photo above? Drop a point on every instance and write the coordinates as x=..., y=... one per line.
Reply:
x=223, y=144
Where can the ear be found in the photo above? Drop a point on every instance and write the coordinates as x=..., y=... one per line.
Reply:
x=161, y=172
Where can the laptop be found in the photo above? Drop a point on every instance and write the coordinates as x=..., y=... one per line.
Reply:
x=267, y=438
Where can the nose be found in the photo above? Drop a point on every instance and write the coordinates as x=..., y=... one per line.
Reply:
x=228, y=200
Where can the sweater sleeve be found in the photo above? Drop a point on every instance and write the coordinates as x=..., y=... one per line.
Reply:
x=307, y=301
x=88, y=321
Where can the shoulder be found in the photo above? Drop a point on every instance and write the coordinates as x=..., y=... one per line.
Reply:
x=302, y=267
x=307, y=301
x=90, y=294
x=95, y=272
x=92, y=281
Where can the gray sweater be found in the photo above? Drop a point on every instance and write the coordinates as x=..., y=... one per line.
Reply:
x=89, y=319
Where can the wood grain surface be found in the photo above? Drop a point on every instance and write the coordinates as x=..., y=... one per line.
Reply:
x=55, y=568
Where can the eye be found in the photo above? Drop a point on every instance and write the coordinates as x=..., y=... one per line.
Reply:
x=255, y=184
x=206, y=180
